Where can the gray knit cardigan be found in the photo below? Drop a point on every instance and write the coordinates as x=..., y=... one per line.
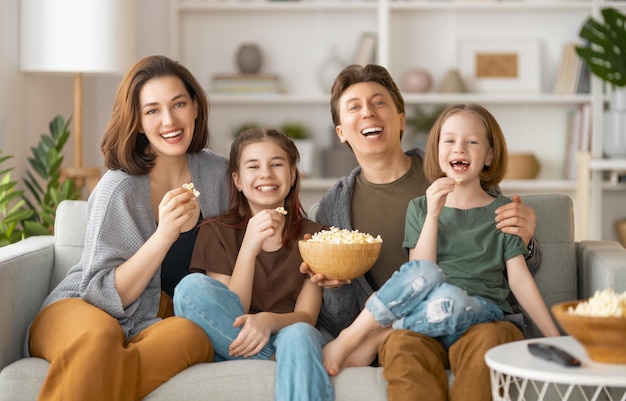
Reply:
x=120, y=220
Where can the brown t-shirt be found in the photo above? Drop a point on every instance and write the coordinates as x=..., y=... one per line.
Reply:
x=380, y=209
x=277, y=277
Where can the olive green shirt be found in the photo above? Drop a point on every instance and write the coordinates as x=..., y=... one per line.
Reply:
x=380, y=209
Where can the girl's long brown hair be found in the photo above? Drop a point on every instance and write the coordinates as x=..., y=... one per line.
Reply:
x=239, y=210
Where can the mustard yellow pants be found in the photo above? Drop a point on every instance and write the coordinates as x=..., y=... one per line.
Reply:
x=415, y=365
x=90, y=359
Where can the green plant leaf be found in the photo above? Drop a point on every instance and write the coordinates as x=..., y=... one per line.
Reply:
x=17, y=216
x=605, y=54
x=34, y=228
x=38, y=165
x=8, y=196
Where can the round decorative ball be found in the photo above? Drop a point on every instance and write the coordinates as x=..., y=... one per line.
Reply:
x=417, y=80
x=249, y=58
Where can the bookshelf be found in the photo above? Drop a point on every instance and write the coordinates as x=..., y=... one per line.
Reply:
x=297, y=37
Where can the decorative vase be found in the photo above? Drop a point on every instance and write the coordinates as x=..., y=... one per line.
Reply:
x=249, y=58
x=452, y=83
x=306, y=148
x=614, y=138
x=417, y=80
x=329, y=69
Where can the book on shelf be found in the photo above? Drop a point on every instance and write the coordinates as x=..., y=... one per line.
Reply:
x=247, y=84
x=579, y=136
x=366, y=49
x=573, y=75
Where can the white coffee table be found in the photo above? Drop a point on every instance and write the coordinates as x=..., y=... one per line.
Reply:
x=516, y=374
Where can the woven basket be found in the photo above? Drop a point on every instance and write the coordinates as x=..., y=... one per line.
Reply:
x=522, y=166
x=339, y=261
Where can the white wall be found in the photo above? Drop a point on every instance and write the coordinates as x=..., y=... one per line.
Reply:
x=29, y=101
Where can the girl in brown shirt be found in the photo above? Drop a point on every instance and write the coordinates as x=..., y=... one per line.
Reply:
x=252, y=301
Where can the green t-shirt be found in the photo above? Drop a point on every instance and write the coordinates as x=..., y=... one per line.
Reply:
x=471, y=251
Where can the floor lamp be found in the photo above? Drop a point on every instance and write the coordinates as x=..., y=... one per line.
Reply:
x=77, y=37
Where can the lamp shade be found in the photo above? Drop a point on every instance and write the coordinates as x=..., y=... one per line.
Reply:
x=77, y=36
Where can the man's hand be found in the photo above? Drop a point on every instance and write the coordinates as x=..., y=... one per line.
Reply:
x=517, y=218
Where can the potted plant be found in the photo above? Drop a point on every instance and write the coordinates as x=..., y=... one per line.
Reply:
x=605, y=53
x=605, y=56
x=306, y=147
x=23, y=216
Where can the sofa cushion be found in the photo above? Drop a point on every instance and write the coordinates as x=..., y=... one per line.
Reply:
x=224, y=381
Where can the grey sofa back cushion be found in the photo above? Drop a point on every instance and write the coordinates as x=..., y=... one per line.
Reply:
x=557, y=277
x=69, y=238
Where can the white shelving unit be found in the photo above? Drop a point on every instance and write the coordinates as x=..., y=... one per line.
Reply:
x=297, y=37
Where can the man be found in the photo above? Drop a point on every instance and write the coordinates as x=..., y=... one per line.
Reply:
x=368, y=112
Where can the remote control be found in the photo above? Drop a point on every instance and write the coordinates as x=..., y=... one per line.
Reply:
x=554, y=354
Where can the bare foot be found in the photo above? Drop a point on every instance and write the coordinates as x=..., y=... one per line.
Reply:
x=367, y=351
x=336, y=351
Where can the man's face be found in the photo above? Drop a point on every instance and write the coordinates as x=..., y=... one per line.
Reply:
x=370, y=123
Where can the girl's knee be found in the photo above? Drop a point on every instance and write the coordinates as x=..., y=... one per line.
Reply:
x=421, y=273
x=194, y=288
x=299, y=332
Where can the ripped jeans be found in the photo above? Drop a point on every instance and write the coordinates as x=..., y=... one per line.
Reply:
x=417, y=297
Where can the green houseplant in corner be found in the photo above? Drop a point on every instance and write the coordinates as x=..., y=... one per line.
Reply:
x=12, y=211
x=46, y=164
x=605, y=56
x=22, y=216
x=606, y=53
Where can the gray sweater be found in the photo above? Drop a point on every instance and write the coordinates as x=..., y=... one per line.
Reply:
x=120, y=220
x=340, y=306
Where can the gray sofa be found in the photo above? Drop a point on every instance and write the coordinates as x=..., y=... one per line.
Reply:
x=30, y=268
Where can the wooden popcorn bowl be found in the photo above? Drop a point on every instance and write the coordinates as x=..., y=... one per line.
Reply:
x=604, y=338
x=339, y=261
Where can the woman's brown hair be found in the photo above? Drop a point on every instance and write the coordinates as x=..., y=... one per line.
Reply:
x=239, y=211
x=124, y=145
x=491, y=175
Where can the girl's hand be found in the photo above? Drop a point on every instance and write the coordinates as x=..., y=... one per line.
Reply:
x=260, y=227
x=253, y=336
x=437, y=193
x=175, y=210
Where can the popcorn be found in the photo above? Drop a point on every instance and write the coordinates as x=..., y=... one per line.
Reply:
x=281, y=210
x=343, y=236
x=191, y=188
x=602, y=304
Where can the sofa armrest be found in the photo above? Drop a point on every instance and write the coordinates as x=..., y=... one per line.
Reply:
x=601, y=265
x=25, y=270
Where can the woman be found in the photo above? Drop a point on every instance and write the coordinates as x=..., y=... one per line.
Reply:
x=101, y=328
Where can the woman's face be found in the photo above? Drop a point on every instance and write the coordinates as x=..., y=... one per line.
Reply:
x=265, y=176
x=167, y=115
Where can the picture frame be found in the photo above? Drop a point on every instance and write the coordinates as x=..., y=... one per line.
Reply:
x=500, y=65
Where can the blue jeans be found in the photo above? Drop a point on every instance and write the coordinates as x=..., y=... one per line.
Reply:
x=300, y=374
x=417, y=297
